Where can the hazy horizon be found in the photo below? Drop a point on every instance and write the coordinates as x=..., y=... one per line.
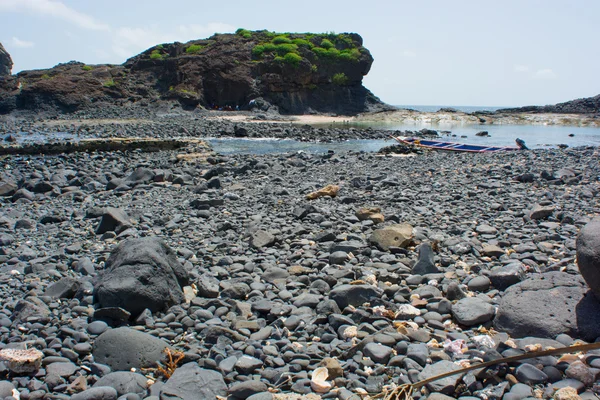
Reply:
x=463, y=53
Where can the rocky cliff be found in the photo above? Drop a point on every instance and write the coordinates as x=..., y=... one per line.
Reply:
x=6, y=63
x=289, y=72
x=588, y=105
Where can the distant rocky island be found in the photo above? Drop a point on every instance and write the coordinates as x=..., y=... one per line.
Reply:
x=588, y=105
x=285, y=73
x=291, y=73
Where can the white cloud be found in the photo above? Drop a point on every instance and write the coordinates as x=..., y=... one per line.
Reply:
x=521, y=68
x=409, y=54
x=129, y=41
x=196, y=31
x=16, y=42
x=55, y=9
x=546, y=73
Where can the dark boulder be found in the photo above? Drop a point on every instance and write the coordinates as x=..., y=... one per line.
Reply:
x=190, y=382
x=141, y=273
x=588, y=255
x=547, y=305
x=124, y=348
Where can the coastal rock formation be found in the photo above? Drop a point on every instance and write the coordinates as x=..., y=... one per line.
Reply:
x=6, y=63
x=289, y=73
x=587, y=105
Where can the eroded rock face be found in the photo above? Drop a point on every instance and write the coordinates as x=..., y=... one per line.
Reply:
x=6, y=63
x=315, y=72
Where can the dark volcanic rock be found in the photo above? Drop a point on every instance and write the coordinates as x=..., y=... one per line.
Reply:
x=354, y=295
x=587, y=105
x=113, y=219
x=588, y=255
x=225, y=71
x=141, y=273
x=191, y=382
x=6, y=63
x=425, y=264
x=97, y=393
x=124, y=382
x=547, y=305
x=472, y=311
x=125, y=348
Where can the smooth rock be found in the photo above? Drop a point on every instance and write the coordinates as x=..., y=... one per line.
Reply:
x=588, y=255
x=125, y=348
x=124, y=382
x=472, y=311
x=355, y=295
x=190, y=382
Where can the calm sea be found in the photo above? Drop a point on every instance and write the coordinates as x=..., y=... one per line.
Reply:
x=466, y=109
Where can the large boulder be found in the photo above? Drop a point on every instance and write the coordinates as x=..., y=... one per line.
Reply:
x=588, y=255
x=6, y=63
x=124, y=348
x=547, y=305
x=141, y=273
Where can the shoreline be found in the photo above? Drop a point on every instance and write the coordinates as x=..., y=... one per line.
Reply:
x=417, y=118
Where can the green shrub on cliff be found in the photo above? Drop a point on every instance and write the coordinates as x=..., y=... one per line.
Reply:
x=194, y=48
x=109, y=83
x=339, y=79
x=303, y=43
x=293, y=59
x=284, y=48
x=245, y=33
x=331, y=53
x=157, y=55
x=326, y=44
x=260, y=49
x=87, y=68
x=331, y=47
x=281, y=39
x=349, y=55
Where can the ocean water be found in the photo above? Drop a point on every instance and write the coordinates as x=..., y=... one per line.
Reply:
x=536, y=136
x=466, y=109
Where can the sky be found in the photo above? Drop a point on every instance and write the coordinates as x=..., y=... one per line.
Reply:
x=429, y=52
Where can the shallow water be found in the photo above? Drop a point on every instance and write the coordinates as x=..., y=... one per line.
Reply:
x=536, y=136
x=273, y=146
x=37, y=137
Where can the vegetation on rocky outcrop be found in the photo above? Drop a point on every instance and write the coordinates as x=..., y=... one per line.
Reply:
x=293, y=73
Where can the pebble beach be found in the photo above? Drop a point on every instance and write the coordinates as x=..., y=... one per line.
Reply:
x=186, y=274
